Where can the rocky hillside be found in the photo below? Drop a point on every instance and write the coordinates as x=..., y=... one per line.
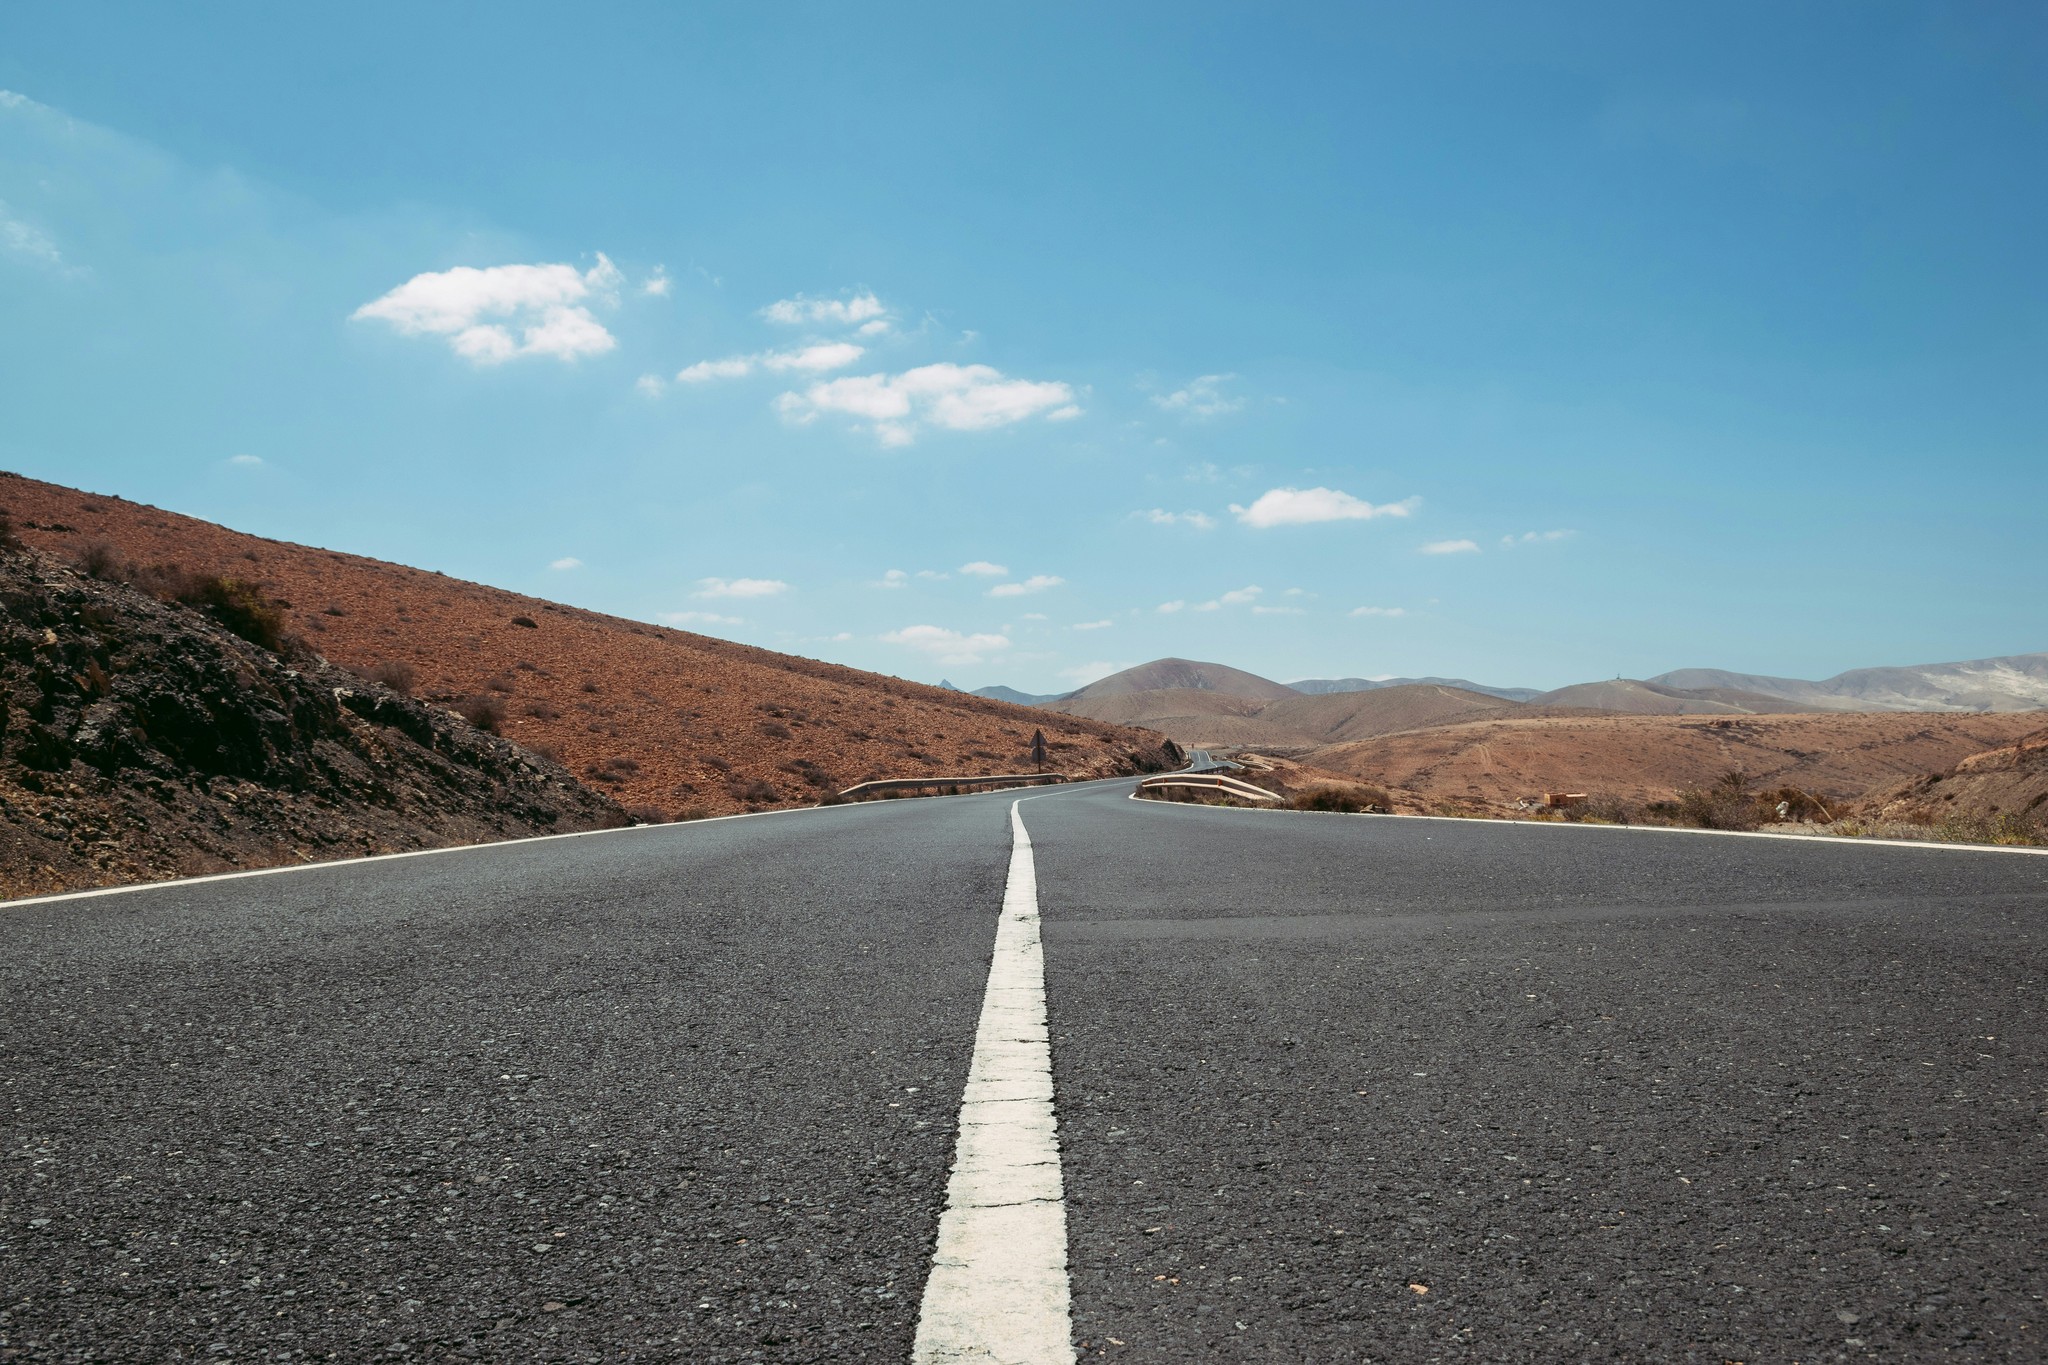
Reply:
x=142, y=738
x=2002, y=788
x=669, y=722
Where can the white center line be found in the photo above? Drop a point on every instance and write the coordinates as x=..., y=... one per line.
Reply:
x=998, y=1289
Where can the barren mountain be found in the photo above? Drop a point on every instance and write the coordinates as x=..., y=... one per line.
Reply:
x=2017, y=682
x=1164, y=675
x=142, y=738
x=1197, y=719
x=1629, y=696
x=1650, y=758
x=667, y=720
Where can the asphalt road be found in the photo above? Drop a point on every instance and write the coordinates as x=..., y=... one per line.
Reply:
x=1329, y=1088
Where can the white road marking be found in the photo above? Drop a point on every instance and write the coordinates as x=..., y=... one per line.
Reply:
x=998, y=1291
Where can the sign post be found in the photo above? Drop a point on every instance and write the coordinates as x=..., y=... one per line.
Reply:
x=1038, y=749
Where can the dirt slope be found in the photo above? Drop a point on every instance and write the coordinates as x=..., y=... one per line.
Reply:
x=1649, y=758
x=1637, y=699
x=1191, y=675
x=667, y=720
x=2007, y=781
x=139, y=739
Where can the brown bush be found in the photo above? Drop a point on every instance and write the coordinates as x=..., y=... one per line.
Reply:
x=10, y=539
x=526, y=622
x=399, y=676
x=98, y=559
x=1727, y=804
x=647, y=815
x=543, y=710
x=754, y=792
x=775, y=729
x=485, y=713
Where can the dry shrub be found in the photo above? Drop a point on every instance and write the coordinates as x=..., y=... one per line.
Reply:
x=1727, y=804
x=715, y=763
x=98, y=559
x=543, y=710
x=1351, y=800
x=647, y=815
x=485, y=713
x=775, y=729
x=526, y=622
x=754, y=792
x=10, y=539
x=694, y=811
x=396, y=674
x=501, y=683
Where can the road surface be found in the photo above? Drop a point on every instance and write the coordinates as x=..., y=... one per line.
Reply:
x=1328, y=1088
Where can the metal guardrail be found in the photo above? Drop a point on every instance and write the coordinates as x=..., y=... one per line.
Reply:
x=1229, y=786
x=899, y=784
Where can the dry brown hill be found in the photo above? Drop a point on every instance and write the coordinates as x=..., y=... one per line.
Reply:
x=1197, y=719
x=1340, y=716
x=1650, y=758
x=666, y=720
x=1175, y=675
x=1639, y=698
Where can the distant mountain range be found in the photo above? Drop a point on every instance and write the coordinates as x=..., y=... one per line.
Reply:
x=1316, y=687
x=1211, y=701
x=2015, y=682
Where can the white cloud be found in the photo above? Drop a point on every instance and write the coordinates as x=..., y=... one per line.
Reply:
x=651, y=385
x=843, y=312
x=1204, y=472
x=948, y=646
x=1104, y=624
x=1202, y=399
x=945, y=395
x=1034, y=616
x=985, y=569
x=699, y=618
x=1450, y=547
x=872, y=329
x=894, y=578
x=19, y=238
x=658, y=284
x=1236, y=597
x=1535, y=538
x=739, y=587
x=1379, y=611
x=1159, y=516
x=825, y=355
x=934, y=575
x=1170, y=607
x=500, y=312
x=1038, y=582
x=1278, y=611
x=1303, y=506
x=566, y=562
x=245, y=461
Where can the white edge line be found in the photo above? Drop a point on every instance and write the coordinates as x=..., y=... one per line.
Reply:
x=1833, y=840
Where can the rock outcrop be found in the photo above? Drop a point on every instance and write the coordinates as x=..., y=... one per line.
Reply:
x=141, y=739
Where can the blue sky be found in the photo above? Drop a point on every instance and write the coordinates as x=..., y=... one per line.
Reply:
x=1530, y=344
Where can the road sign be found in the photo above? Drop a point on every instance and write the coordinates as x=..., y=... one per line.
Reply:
x=1038, y=749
